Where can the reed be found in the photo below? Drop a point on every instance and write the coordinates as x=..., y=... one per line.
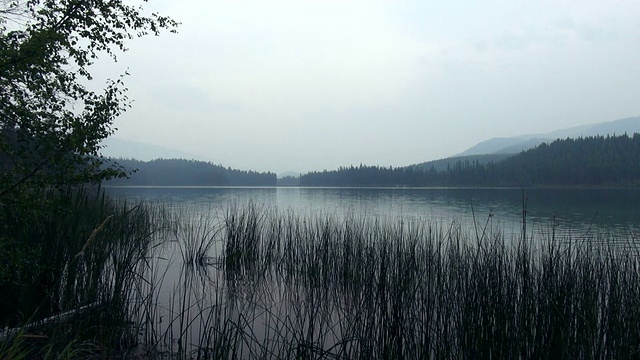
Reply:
x=260, y=283
x=70, y=269
x=356, y=287
x=196, y=232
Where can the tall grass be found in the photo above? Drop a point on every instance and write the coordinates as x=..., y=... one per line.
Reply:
x=328, y=287
x=71, y=261
x=261, y=283
x=195, y=233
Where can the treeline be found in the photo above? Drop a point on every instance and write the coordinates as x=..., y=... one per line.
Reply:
x=444, y=164
x=589, y=161
x=179, y=172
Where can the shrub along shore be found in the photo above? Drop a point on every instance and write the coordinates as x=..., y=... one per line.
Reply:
x=256, y=283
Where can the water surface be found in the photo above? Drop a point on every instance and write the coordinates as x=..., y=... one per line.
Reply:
x=575, y=209
x=191, y=306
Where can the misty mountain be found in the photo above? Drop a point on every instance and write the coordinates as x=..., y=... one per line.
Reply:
x=511, y=145
x=292, y=174
x=288, y=181
x=526, y=145
x=181, y=172
x=128, y=149
x=517, y=144
x=595, y=161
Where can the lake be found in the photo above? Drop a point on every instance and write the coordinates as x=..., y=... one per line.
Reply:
x=376, y=278
x=571, y=210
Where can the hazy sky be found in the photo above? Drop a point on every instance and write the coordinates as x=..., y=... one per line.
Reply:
x=312, y=85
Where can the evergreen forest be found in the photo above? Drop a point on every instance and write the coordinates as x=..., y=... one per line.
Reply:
x=590, y=161
x=180, y=172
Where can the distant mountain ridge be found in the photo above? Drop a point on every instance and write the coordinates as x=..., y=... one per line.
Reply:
x=181, y=172
x=129, y=149
x=590, y=161
x=485, y=152
x=516, y=144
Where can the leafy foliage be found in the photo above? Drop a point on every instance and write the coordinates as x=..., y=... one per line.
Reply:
x=51, y=123
x=62, y=248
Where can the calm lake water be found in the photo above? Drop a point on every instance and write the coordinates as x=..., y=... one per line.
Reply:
x=192, y=307
x=569, y=209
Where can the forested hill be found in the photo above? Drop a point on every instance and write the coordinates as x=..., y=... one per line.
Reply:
x=444, y=164
x=178, y=172
x=590, y=161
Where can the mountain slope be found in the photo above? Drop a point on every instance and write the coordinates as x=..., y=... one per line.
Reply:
x=127, y=149
x=516, y=144
x=449, y=163
x=490, y=146
x=587, y=161
x=180, y=172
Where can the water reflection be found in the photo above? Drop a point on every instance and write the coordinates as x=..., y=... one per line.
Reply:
x=290, y=290
x=579, y=208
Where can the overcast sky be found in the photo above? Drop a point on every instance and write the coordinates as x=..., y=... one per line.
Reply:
x=312, y=85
